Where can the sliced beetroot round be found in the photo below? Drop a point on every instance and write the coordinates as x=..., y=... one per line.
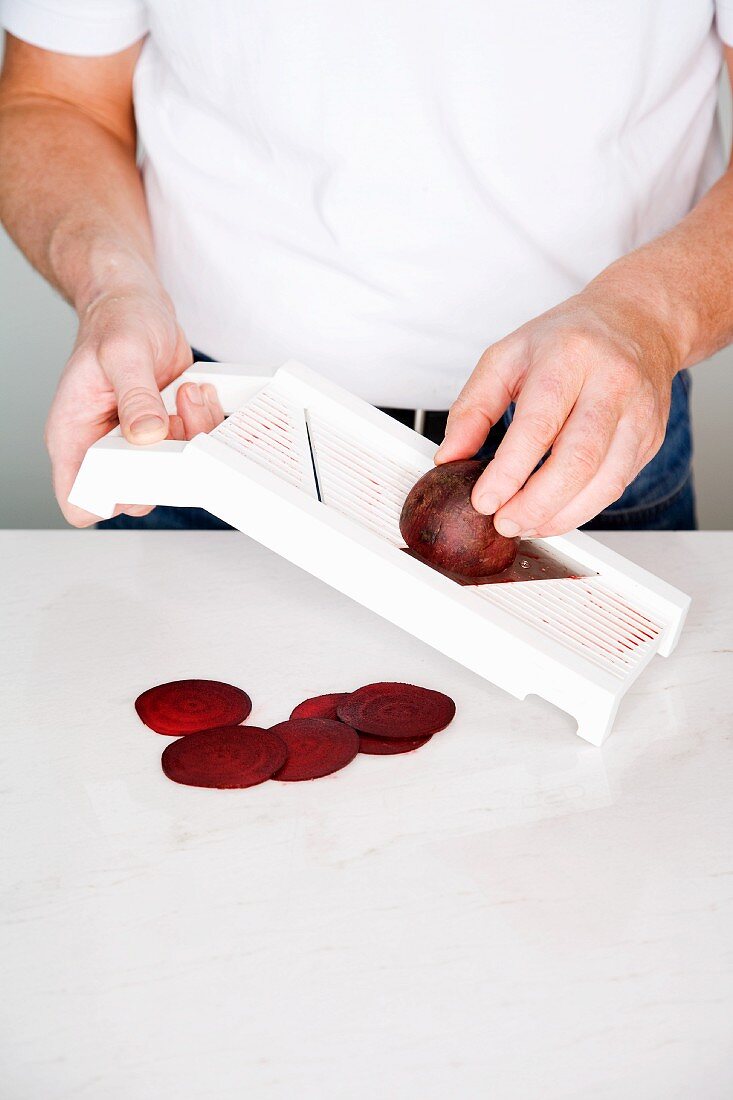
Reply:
x=320, y=706
x=188, y=706
x=315, y=747
x=390, y=746
x=228, y=757
x=397, y=710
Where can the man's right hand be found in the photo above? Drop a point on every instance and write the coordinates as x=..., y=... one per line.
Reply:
x=129, y=347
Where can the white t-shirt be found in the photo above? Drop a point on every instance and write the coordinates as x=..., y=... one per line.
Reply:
x=383, y=189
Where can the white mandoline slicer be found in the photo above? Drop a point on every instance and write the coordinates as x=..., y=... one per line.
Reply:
x=319, y=476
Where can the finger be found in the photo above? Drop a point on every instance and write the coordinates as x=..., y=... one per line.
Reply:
x=543, y=407
x=133, y=509
x=215, y=407
x=140, y=408
x=67, y=443
x=625, y=457
x=481, y=403
x=576, y=457
x=194, y=410
x=176, y=429
x=77, y=517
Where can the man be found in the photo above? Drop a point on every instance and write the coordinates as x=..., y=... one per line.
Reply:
x=383, y=190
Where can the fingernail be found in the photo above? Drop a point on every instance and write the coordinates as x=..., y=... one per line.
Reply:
x=146, y=427
x=209, y=394
x=507, y=527
x=488, y=504
x=194, y=394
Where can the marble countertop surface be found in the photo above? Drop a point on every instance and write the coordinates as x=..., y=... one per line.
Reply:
x=506, y=913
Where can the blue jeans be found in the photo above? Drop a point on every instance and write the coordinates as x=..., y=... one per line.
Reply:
x=660, y=498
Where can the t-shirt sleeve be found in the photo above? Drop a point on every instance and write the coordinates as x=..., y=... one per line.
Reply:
x=86, y=28
x=724, y=20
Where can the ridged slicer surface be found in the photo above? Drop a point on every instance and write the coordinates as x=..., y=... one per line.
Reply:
x=583, y=615
x=359, y=481
x=270, y=430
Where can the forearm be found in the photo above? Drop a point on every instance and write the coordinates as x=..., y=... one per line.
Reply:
x=680, y=285
x=72, y=199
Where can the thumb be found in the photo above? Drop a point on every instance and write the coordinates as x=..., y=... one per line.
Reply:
x=140, y=409
x=480, y=404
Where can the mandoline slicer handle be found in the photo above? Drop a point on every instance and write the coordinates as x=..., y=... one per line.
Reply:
x=117, y=472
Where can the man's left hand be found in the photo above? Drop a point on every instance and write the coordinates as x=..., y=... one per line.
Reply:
x=592, y=381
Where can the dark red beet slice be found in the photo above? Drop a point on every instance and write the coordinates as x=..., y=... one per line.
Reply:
x=316, y=747
x=397, y=710
x=187, y=706
x=390, y=746
x=232, y=756
x=320, y=706
x=441, y=526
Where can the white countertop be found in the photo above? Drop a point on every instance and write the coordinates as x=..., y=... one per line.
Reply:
x=506, y=913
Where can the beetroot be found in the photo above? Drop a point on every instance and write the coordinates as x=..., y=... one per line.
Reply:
x=228, y=757
x=390, y=746
x=187, y=706
x=441, y=526
x=397, y=710
x=320, y=706
x=315, y=747
x=325, y=706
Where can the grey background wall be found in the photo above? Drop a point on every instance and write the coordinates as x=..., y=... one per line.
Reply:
x=37, y=331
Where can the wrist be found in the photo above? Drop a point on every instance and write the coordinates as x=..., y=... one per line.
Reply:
x=92, y=264
x=121, y=288
x=653, y=314
x=642, y=316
